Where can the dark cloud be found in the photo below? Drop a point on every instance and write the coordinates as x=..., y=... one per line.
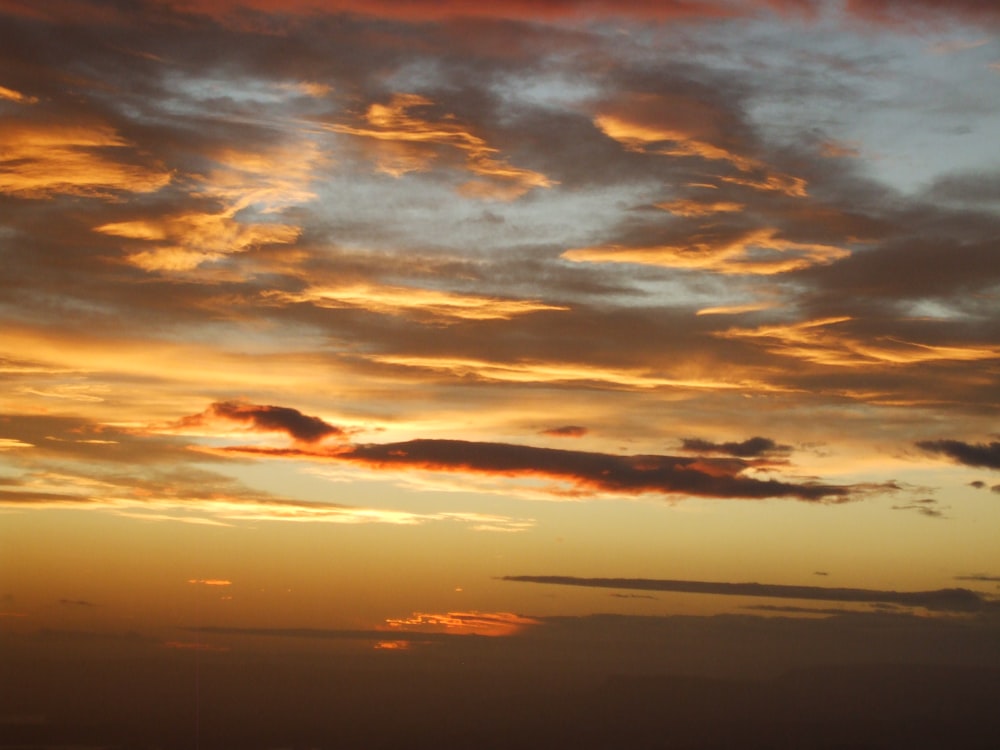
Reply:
x=979, y=577
x=749, y=448
x=986, y=455
x=588, y=472
x=995, y=488
x=566, y=431
x=76, y=603
x=977, y=484
x=294, y=423
x=946, y=600
x=788, y=609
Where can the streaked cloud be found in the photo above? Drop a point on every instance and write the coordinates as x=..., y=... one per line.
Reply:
x=45, y=159
x=758, y=252
x=406, y=142
x=943, y=600
x=398, y=300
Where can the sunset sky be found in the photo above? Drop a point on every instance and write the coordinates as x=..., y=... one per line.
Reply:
x=366, y=326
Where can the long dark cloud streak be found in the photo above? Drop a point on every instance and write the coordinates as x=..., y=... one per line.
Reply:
x=588, y=471
x=946, y=600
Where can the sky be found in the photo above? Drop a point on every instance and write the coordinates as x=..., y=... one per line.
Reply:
x=414, y=335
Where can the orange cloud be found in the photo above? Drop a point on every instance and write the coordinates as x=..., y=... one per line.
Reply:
x=263, y=182
x=16, y=96
x=463, y=623
x=820, y=341
x=638, y=127
x=404, y=142
x=40, y=160
x=688, y=208
x=758, y=252
x=557, y=372
x=400, y=300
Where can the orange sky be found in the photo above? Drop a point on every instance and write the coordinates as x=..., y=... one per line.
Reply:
x=372, y=325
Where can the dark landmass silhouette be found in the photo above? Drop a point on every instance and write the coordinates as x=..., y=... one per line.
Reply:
x=487, y=693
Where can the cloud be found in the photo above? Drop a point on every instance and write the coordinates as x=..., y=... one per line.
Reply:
x=586, y=472
x=76, y=603
x=44, y=159
x=979, y=577
x=925, y=507
x=756, y=252
x=985, y=455
x=16, y=96
x=412, y=301
x=261, y=418
x=404, y=142
x=464, y=623
x=569, y=430
x=944, y=600
x=749, y=448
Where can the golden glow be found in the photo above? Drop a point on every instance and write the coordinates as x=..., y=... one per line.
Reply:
x=543, y=372
x=7, y=444
x=404, y=143
x=16, y=96
x=819, y=341
x=741, y=255
x=463, y=623
x=734, y=309
x=689, y=208
x=637, y=137
x=210, y=582
x=266, y=182
x=41, y=160
x=399, y=300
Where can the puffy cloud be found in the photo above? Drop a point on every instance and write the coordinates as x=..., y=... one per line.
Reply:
x=749, y=448
x=264, y=418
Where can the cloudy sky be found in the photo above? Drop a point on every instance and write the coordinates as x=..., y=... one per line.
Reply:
x=398, y=321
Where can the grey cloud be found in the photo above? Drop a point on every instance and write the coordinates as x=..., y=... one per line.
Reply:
x=986, y=455
x=948, y=600
x=749, y=448
x=264, y=418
